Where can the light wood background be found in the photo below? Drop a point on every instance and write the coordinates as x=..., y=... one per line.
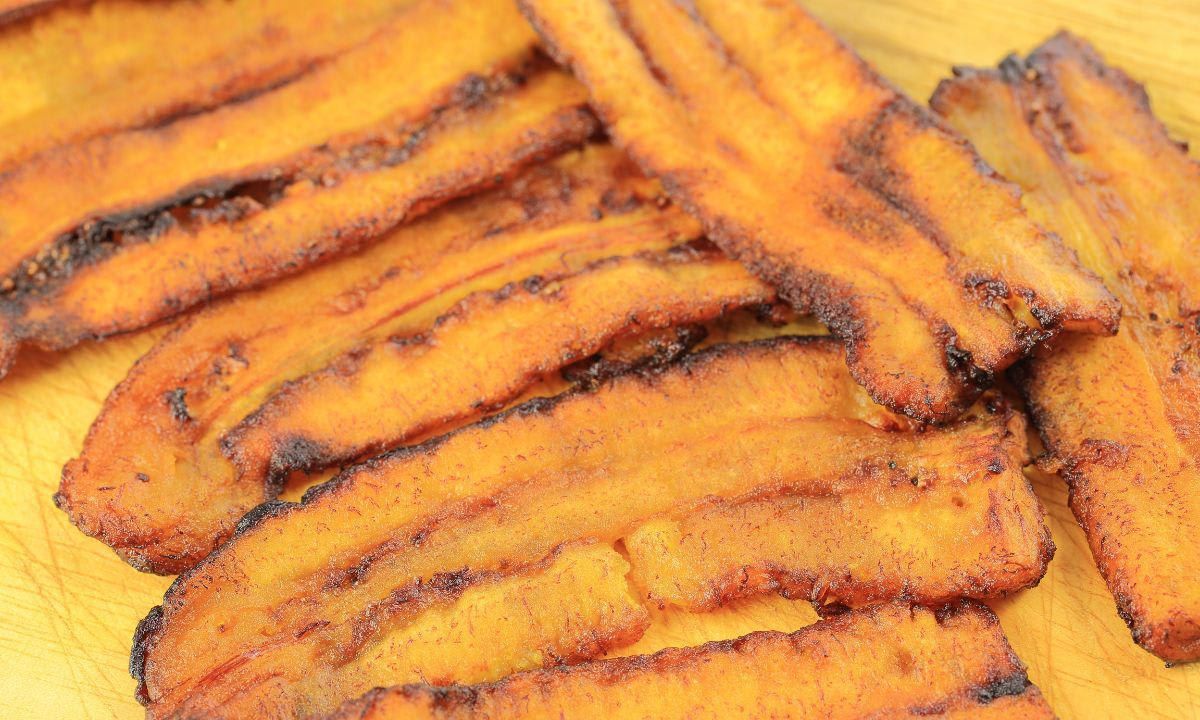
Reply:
x=69, y=606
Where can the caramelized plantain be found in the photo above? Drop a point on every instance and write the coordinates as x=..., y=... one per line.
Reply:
x=754, y=419
x=1119, y=415
x=209, y=204
x=830, y=185
x=480, y=355
x=153, y=481
x=904, y=518
x=890, y=661
x=90, y=68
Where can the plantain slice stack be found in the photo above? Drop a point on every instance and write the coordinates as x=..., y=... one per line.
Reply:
x=312, y=603
x=440, y=322
x=857, y=204
x=887, y=661
x=1118, y=415
x=129, y=228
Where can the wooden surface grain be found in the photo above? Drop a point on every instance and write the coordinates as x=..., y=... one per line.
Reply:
x=69, y=606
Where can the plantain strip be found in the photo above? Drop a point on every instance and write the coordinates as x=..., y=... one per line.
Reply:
x=903, y=519
x=732, y=421
x=481, y=354
x=888, y=661
x=153, y=480
x=208, y=205
x=91, y=68
x=1119, y=414
x=830, y=185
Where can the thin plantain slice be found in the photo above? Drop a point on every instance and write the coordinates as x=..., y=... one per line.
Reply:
x=153, y=480
x=1118, y=415
x=91, y=68
x=891, y=661
x=733, y=421
x=136, y=227
x=854, y=202
x=481, y=354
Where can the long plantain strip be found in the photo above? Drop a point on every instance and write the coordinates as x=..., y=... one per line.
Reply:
x=890, y=661
x=90, y=68
x=830, y=185
x=207, y=205
x=736, y=420
x=481, y=354
x=153, y=480
x=1118, y=415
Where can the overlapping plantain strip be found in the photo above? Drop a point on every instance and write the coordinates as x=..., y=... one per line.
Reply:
x=734, y=421
x=90, y=68
x=1118, y=415
x=903, y=518
x=830, y=185
x=887, y=661
x=573, y=605
x=481, y=355
x=152, y=480
x=325, y=123
x=228, y=210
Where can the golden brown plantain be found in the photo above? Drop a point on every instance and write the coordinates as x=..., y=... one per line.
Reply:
x=135, y=227
x=731, y=422
x=891, y=661
x=481, y=354
x=904, y=520
x=90, y=68
x=153, y=481
x=1118, y=415
x=857, y=204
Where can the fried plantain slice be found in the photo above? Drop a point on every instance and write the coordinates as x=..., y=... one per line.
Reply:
x=152, y=480
x=91, y=68
x=575, y=604
x=887, y=661
x=1117, y=414
x=208, y=205
x=481, y=354
x=854, y=202
x=732, y=421
x=904, y=517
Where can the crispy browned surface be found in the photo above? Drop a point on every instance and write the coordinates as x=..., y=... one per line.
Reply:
x=734, y=421
x=210, y=204
x=829, y=184
x=904, y=515
x=884, y=662
x=153, y=481
x=94, y=67
x=12, y=10
x=1120, y=415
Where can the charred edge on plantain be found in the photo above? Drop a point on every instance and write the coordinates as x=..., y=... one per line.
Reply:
x=228, y=201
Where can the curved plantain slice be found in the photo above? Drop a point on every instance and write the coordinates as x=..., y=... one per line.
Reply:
x=887, y=661
x=209, y=205
x=91, y=68
x=1119, y=415
x=153, y=481
x=733, y=421
x=853, y=201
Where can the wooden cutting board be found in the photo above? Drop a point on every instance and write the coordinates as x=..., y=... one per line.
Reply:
x=69, y=606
